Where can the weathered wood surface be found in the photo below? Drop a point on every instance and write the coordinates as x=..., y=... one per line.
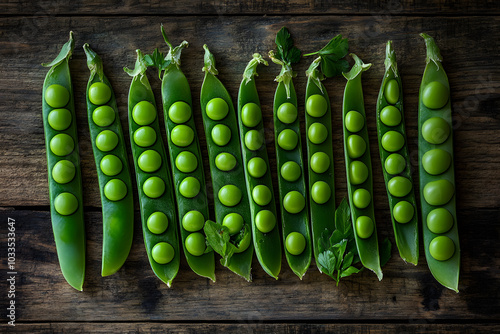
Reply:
x=408, y=296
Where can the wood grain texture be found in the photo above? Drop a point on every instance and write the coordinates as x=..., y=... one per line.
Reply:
x=254, y=7
x=407, y=293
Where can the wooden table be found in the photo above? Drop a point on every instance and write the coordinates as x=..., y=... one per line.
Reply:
x=134, y=300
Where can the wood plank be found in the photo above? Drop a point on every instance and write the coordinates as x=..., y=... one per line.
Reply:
x=251, y=327
x=254, y=7
x=469, y=45
x=407, y=294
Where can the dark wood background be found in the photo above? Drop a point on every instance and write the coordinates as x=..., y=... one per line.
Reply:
x=133, y=300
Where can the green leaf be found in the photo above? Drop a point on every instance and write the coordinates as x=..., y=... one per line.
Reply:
x=358, y=68
x=339, y=250
x=285, y=50
x=331, y=56
x=218, y=238
x=332, y=68
x=336, y=237
x=337, y=47
x=350, y=271
x=156, y=59
x=66, y=52
x=343, y=219
x=347, y=261
x=385, y=251
x=328, y=261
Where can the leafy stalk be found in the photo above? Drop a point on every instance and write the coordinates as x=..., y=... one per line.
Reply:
x=251, y=69
x=286, y=54
x=94, y=62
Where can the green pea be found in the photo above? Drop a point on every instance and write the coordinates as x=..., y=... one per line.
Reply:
x=442, y=248
x=438, y=192
x=295, y=243
x=390, y=116
x=439, y=220
x=244, y=244
x=144, y=113
x=358, y=172
x=115, y=190
x=391, y=91
x=254, y=140
x=145, y=136
x=287, y=113
x=190, y=187
x=179, y=112
x=392, y=141
x=361, y=198
x=226, y=162
x=288, y=139
x=403, y=212
x=234, y=222
x=59, y=119
x=62, y=144
x=399, y=186
x=186, y=162
x=262, y=195
x=294, y=202
x=320, y=162
x=435, y=95
x=356, y=146
x=106, y=140
x=65, y=204
x=217, y=109
x=257, y=167
x=290, y=171
x=354, y=121
x=193, y=221
x=395, y=164
x=157, y=222
x=321, y=192
x=103, y=116
x=436, y=161
x=221, y=134
x=63, y=171
x=317, y=133
x=149, y=161
x=435, y=130
x=195, y=244
x=251, y=115
x=99, y=93
x=316, y=105
x=182, y=135
x=56, y=96
x=153, y=187
x=111, y=165
x=229, y=195
x=162, y=253
x=364, y=227
x=265, y=221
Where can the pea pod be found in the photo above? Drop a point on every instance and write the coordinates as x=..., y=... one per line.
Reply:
x=359, y=168
x=154, y=185
x=291, y=180
x=111, y=160
x=437, y=176
x=265, y=231
x=396, y=163
x=63, y=164
x=186, y=163
x=319, y=139
x=231, y=235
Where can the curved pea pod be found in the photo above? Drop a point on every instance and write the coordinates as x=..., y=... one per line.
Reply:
x=111, y=161
x=396, y=164
x=320, y=157
x=232, y=240
x=154, y=184
x=265, y=230
x=437, y=176
x=177, y=109
x=63, y=164
x=359, y=169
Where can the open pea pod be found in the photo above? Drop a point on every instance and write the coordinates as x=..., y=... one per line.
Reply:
x=265, y=230
x=154, y=184
x=359, y=168
x=230, y=235
x=186, y=164
x=111, y=161
x=395, y=158
x=291, y=176
x=436, y=172
x=64, y=168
